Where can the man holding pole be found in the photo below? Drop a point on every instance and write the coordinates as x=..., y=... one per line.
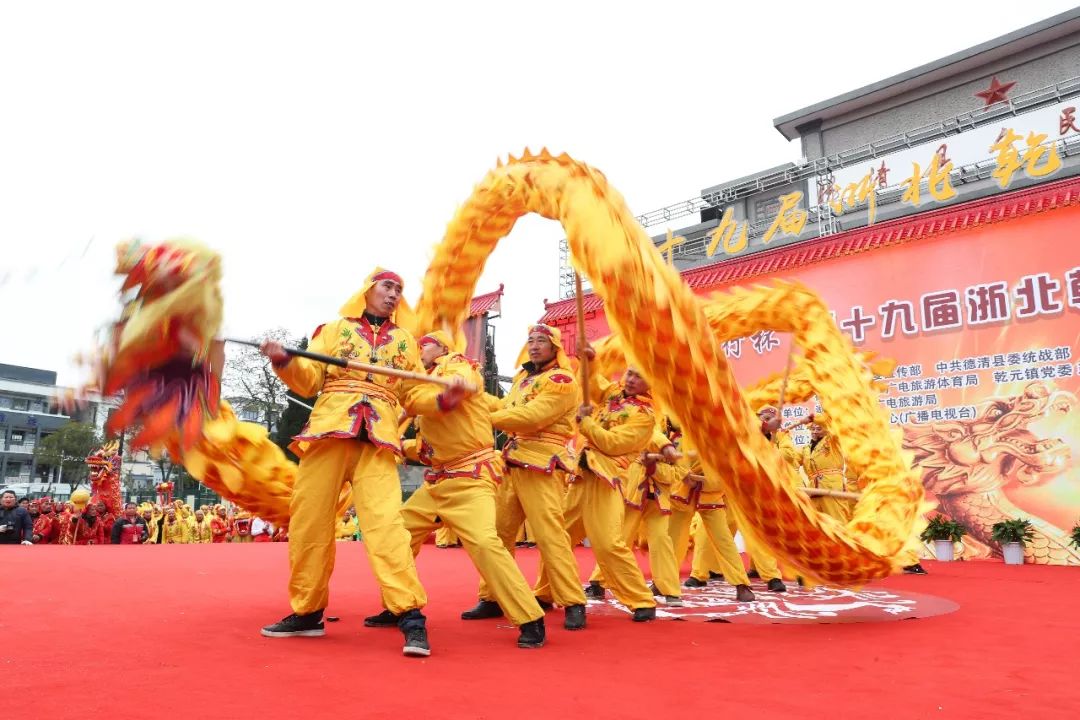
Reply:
x=352, y=436
x=455, y=440
x=538, y=416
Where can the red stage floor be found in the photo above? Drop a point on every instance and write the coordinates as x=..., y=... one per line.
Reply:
x=173, y=631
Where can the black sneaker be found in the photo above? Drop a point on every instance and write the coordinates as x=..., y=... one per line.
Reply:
x=673, y=601
x=383, y=619
x=716, y=576
x=743, y=593
x=532, y=634
x=915, y=569
x=644, y=614
x=310, y=625
x=753, y=574
x=412, y=624
x=594, y=590
x=575, y=617
x=776, y=585
x=693, y=582
x=652, y=588
x=416, y=643
x=544, y=604
x=484, y=609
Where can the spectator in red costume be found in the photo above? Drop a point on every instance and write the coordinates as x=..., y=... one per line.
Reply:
x=43, y=524
x=87, y=528
x=106, y=518
x=219, y=526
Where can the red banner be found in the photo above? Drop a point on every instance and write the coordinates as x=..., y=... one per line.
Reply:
x=983, y=323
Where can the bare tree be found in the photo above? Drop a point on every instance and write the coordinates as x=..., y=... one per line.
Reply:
x=251, y=380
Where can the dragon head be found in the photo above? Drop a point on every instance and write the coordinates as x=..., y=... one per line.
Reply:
x=104, y=462
x=995, y=447
x=158, y=354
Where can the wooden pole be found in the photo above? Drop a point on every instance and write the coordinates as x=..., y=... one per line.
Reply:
x=783, y=383
x=364, y=367
x=582, y=342
x=812, y=492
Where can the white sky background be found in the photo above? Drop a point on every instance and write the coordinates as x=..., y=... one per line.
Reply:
x=308, y=142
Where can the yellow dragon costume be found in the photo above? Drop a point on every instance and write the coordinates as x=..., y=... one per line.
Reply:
x=671, y=334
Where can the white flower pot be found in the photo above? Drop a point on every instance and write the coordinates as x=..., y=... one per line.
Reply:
x=944, y=550
x=1014, y=553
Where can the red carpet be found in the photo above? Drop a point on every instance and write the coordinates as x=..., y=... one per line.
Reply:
x=146, y=632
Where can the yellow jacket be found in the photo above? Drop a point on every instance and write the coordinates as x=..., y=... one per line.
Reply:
x=200, y=531
x=346, y=530
x=825, y=466
x=454, y=443
x=351, y=401
x=641, y=486
x=781, y=440
x=538, y=414
x=617, y=431
x=175, y=533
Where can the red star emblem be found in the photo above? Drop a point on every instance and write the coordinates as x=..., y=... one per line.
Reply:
x=996, y=92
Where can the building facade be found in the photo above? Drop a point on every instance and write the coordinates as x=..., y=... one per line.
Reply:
x=954, y=109
x=28, y=412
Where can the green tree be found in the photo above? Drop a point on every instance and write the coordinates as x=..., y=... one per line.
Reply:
x=293, y=418
x=66, y=450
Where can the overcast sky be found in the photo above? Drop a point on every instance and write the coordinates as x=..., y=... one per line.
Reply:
x=308, y=142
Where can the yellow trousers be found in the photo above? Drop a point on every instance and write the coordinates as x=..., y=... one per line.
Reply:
x=705, y=558
x=376, y=491
x=595, y=510
x=714, y=523
x=539, y=497
x=663, y=564
x=760, y=560
x=524, y=534
x=445, y=536
x=467, y=506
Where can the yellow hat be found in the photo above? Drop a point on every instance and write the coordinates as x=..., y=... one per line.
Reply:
x=357, y=304
x=553, y=334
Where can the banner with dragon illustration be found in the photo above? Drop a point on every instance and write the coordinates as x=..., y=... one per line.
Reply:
x=983, y=324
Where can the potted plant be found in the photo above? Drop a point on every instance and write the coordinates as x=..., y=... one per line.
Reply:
x=944, y=532
x=1012, y=535
x=1075, y=535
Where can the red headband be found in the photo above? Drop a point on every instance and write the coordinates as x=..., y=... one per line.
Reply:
x=387, y=275
x=428, y=340
x=542, y=329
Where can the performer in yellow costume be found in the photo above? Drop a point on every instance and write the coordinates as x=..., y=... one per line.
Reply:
x=455, y=439
x=688, y=497
x=763, y=563
x=538, y=416
x=647, y=495
x=200, y=528
x=704, y=557
x=352, y=437
x=825, y=468
x=615, y=432
x=346, y=527
x=174, y=531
